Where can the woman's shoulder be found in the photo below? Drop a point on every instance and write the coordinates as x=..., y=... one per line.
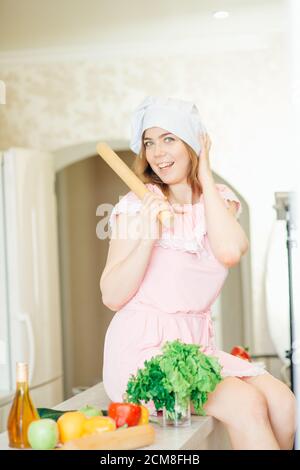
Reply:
x=229, y=195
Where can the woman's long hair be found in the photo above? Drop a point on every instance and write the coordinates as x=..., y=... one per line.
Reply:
x=144, y=171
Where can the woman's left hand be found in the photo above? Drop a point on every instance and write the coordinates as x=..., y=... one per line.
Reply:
x=204, y=165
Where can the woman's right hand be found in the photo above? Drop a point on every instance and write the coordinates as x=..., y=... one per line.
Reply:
x=152, y=205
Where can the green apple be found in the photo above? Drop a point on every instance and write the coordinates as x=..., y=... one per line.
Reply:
x=43, y=434
x=90, y=410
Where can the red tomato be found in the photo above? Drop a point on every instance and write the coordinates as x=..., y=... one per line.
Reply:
x=125, y=413
x=240, y=352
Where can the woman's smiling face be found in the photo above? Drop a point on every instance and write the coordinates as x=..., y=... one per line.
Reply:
x=163, y=147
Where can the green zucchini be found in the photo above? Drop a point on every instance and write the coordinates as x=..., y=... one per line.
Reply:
x=55, y=414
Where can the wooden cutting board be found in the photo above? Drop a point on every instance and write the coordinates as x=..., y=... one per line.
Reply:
x=122, y=439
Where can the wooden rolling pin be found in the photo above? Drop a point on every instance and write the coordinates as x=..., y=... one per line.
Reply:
x=132, y=181
x=133, y=437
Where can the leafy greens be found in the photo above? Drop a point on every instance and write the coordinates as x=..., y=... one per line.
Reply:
x=182, y=369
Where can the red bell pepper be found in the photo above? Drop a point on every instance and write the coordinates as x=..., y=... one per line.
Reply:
x=124, y=413
x=241, y=352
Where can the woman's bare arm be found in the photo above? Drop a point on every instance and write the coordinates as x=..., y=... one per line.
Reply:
x=126, y=264
x=226, y=236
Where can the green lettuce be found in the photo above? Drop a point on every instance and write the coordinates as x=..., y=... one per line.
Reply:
x=182, y=369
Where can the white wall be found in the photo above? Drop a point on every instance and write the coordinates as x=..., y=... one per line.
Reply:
x=294, y=41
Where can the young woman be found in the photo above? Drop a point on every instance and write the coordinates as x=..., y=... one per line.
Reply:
x=162, y=281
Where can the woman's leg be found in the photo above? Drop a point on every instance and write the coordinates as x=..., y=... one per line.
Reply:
x=281, y=407
x=243, y=409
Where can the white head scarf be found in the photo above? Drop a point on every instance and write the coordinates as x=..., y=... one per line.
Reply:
x=176, y=116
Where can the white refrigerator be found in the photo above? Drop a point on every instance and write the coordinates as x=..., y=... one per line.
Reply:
x=30, y=319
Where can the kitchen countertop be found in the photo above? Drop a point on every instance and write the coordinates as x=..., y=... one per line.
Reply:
x=205, y=432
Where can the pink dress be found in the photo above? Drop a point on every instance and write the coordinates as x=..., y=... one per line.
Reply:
x=182, y=281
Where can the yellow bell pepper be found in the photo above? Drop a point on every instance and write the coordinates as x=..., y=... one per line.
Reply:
x=144, y=419
x=98, y=424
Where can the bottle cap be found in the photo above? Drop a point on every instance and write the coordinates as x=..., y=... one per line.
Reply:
x=22, y=372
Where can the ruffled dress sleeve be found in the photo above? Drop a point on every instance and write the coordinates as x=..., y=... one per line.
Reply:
x=128, y=204
x=228, y=195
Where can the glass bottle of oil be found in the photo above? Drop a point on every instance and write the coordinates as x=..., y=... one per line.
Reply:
x=22, y=411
